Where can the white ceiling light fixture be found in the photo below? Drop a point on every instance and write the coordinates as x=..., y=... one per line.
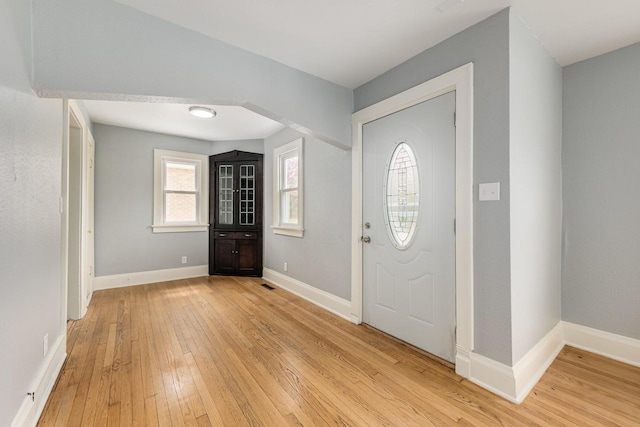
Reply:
x=202, y=112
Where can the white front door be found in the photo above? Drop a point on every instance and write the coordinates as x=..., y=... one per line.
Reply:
x=408, y=217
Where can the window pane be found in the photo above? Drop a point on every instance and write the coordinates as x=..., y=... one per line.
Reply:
x=402, y=196
x=180, y=177
x=288, y=196
x=180, y=207
x=290, y=169
x=289, y=208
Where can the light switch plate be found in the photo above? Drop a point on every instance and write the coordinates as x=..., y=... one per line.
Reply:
x=489, y=191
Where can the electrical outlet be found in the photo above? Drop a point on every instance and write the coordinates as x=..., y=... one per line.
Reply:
x=184, y=259
x=286, y=267
x=45, y=344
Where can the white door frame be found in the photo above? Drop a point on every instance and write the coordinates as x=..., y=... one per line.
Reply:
x=64, y=211
x=71, y=108
x=460, y=80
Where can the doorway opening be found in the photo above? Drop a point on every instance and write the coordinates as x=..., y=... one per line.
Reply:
x=408, y=211
x=459, y=80
x=77, y=208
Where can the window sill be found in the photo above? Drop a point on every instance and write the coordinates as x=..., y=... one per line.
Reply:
x=288, y=231
x=179, y=228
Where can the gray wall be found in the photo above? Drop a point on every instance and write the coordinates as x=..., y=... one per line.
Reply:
x=124, y=209
x=601, y=153
x=536, y=188
x=249, y=145
x=124, y=242
x=322, y=258
x=486, y=45
x=30, y=223
x=105, y=49
x=15, y=45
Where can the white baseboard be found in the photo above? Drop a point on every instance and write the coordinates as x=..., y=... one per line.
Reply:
x=515, y=383
x=31, y=409
x=144, y=277
x=494, y=376
x=613, y=346
x=321, y=298
x=528, y=370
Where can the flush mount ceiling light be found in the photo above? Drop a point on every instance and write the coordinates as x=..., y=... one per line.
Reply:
x=202, y=112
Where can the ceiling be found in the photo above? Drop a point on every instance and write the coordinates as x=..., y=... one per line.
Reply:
x=230, y=123
x=349, y=42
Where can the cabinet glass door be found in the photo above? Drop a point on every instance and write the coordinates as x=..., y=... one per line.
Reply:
x=225, y=194
x=247, y=194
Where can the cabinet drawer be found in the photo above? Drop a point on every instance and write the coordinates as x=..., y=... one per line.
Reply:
x=235, y=235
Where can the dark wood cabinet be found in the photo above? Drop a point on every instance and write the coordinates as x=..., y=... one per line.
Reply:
x=235, y=214
x=237, y=253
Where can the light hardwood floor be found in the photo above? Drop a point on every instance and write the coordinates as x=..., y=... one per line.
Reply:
x=226, y=351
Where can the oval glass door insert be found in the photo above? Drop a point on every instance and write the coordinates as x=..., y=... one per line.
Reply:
x=402, y=196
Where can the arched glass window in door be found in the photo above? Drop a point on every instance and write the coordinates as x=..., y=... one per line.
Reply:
x=402, y=196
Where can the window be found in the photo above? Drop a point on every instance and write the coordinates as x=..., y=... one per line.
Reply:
x=402, y=196
x=288, y=189
x=181, y=192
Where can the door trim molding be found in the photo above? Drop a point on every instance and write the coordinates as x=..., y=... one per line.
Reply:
x=73, y=112
x=459, y=80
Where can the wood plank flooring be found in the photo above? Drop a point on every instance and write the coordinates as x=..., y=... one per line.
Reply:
x=220, y=351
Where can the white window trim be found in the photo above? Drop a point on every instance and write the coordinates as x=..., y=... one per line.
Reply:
x=202, y=166
x=278, y=153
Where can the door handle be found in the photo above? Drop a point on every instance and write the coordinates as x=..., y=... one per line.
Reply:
x=365, y=239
